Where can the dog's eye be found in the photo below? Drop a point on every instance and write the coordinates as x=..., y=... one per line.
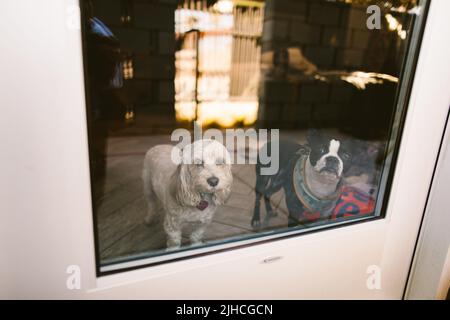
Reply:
x=199, y=163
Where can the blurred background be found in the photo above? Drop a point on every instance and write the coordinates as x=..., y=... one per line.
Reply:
x=231, y=63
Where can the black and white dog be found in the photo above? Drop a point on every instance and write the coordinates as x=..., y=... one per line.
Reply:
x=311, y=177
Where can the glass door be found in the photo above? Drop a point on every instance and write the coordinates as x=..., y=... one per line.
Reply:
x=219, y=149
x=219, y=124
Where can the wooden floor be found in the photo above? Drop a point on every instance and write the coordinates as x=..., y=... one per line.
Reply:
x=122, y=208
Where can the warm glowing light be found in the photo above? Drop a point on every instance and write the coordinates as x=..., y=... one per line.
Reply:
x=224, y=113
x=394, y=25
x=127, y=68
x=209, y=85
x=402, y=9
x=129, y=115
x=361, y=79
x=224, y=6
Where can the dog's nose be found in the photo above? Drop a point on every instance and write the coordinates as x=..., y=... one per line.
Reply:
x=332, y=162
x=213, y=181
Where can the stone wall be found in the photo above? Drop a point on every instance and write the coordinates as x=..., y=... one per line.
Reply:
x=149, y=38
x=333, y=36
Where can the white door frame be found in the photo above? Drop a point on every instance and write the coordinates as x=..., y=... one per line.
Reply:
x=430, y=274
x=47, y=214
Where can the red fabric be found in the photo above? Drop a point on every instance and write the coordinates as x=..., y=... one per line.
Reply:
x=351, y=203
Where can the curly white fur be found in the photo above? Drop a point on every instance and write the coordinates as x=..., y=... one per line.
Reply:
x=180, y=191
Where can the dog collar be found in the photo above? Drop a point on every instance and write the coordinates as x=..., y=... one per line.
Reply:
x=202, y=205
x=305, y=195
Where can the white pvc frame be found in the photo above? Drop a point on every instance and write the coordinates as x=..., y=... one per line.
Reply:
x=47, y=224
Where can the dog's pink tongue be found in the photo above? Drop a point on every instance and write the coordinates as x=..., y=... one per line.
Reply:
x=202, y=205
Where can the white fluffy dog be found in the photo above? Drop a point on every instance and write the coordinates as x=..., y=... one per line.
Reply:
x=186, y=186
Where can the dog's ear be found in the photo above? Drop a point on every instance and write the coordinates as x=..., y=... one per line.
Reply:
x=185, y=194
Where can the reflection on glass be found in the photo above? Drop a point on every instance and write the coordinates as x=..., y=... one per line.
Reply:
x=301, y=98
x=218, y=64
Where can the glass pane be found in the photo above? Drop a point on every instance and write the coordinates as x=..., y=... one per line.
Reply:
x=218, y=123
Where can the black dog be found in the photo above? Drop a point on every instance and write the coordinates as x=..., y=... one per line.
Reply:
x=311, y=177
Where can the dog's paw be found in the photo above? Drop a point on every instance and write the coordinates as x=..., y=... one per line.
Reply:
x=256, y=223
x=173, y=248
x=197, y=243
x=173, y=243
x=269, y=215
